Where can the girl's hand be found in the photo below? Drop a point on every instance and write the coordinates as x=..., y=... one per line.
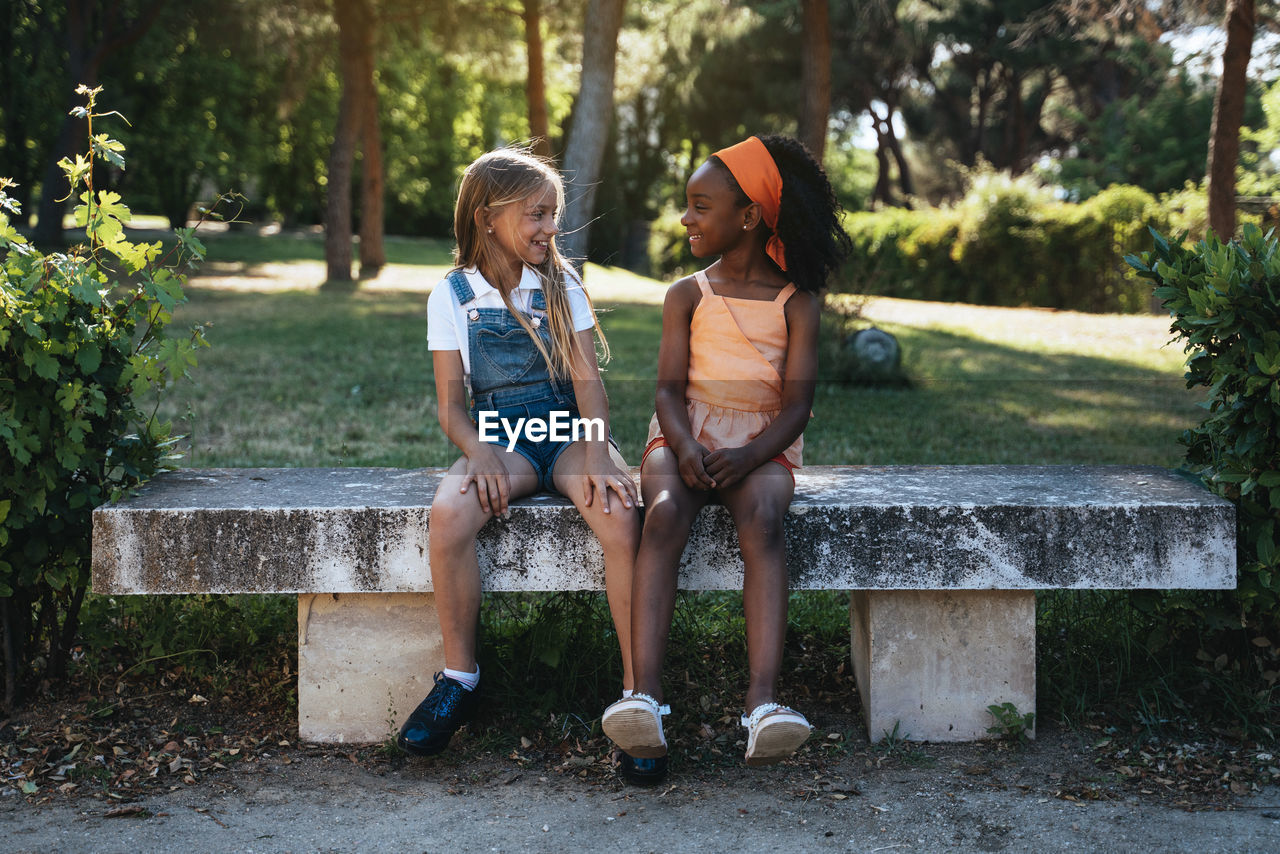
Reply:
x=493, y=482
x=693, y=469
x=729, y=466
x=604, y=475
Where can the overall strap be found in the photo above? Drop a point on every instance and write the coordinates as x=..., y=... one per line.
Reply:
x=785, y=294
x=461, y=287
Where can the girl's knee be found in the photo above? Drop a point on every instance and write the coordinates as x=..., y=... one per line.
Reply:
x=665, y=513
x=619, y=529
x=760, y=521
x=455, y=517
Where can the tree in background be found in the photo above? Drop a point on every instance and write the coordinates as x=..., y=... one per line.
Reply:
x=93, y=32
x=190, y=141
x=1228, y=117
x=1153, y=132
x=536, y=82
x=815, y=76
x=1013, y=83
x=983, y=80
x=592, y=117
x=357, y=125
x=29, y=116
x=874, y=71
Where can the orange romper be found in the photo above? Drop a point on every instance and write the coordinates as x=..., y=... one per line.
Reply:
x=737, y=359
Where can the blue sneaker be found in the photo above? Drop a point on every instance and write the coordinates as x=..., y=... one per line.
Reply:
x=639, y=771
x=428, y=730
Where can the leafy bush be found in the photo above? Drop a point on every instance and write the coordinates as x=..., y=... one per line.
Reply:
x=1007, y=242
x=82, y=338
x=1225, y=304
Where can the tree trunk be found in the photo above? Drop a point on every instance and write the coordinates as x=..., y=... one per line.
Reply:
x=535, y=86
x=894, y=145
x=978, y=139
x=1228, y=114
x=354, y=19
x=373, y=255
x=592, y=117
x=815, y=76
x=882, y=194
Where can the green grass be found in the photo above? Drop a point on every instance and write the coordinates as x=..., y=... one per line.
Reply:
x=300, y=376
x=252, y=249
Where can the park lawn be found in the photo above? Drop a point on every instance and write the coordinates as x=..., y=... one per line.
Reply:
x=302, y=375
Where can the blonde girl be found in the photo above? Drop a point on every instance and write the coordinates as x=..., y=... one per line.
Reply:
x=512, y=331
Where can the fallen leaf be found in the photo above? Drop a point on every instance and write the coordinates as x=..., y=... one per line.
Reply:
x=126, y=811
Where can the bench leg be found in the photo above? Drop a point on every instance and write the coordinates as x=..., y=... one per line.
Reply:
x=931, y=662
x=365, y=660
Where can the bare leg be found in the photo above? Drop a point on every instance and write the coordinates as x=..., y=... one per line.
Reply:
x=619, y=534
x=456, y=519
x=759, y=505
x=670, y=508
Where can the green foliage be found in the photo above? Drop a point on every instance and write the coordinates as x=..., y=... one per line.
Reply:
x=1157, y=139
x=1006, y=242
x=1010, y=724
x=83, y=335
x=210, y=636
x=1261, y=154
x=1225, y=304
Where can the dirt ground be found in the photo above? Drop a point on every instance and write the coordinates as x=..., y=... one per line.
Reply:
x=1049, y=795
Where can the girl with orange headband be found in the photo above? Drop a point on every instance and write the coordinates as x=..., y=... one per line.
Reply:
x=736, y=372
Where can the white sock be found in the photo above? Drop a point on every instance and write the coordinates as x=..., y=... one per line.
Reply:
x=468, y=680
x=626, y=692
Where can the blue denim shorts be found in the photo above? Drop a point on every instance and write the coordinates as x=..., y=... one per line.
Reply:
x=508, y=407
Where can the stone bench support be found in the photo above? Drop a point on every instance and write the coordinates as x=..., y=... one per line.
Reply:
x=944, y=563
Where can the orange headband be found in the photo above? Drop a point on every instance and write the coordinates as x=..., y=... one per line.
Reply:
x=753, y=168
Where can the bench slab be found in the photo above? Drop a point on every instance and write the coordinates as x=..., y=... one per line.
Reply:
x=364, y=530
x=943, y=562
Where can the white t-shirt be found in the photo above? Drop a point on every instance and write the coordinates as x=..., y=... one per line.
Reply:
x=447, y=322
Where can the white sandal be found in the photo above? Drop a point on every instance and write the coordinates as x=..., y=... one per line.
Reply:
x=774, y=732
x=635, y=724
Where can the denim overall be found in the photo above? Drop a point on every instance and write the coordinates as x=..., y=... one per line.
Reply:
x=511, y=378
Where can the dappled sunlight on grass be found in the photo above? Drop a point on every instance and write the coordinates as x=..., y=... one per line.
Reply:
x=1133, y=340
x=298, y=375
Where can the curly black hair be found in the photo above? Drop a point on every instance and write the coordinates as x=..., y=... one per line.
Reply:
x=809, y=216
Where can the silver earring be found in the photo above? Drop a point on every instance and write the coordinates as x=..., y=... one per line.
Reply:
x=491, y=231
x=744, y=228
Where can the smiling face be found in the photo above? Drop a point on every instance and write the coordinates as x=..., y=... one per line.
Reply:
x=713, y=216
x=524, y=228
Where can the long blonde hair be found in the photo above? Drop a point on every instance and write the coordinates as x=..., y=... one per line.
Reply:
x=510, y=176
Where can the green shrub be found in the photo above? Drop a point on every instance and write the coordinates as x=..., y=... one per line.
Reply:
x=1007, y=242
x=1187, y=210
x=82, y=337
x=1225, y=304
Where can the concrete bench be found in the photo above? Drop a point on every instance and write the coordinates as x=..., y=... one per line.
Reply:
x=943, y=564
